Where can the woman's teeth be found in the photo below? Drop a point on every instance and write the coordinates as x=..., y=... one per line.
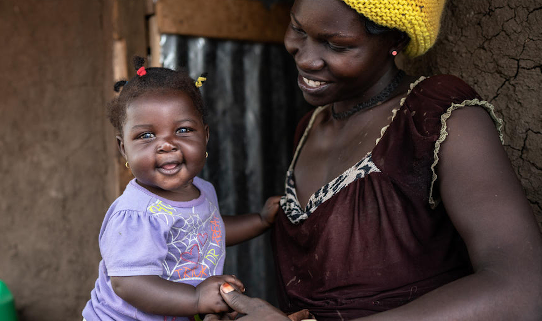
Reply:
x=313, y=83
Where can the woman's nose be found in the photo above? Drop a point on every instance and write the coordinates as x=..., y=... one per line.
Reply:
x=309, y=63
x=307, y=56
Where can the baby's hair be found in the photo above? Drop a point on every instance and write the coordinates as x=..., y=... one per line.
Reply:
x=154, y=79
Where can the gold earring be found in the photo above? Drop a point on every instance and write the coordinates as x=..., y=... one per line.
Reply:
x=206, y=154
x=127, y=165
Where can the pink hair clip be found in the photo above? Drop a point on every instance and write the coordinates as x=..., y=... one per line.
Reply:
x=141, y=72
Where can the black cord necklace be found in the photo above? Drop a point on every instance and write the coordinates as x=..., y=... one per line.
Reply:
x=373, y=101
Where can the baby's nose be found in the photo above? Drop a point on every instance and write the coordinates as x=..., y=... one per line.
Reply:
x=166, y=146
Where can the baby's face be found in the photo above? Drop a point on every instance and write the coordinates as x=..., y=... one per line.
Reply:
x=164, y=141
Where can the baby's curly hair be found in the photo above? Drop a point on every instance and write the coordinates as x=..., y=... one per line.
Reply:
x=149, y=80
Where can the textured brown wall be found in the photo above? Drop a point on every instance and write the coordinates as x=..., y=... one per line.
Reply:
x=57, y=162
x=56, y=177
x=494, y=45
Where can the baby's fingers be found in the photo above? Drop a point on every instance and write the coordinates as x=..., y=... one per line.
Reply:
x=220, y=316
x=272, y=201
x=233, y=280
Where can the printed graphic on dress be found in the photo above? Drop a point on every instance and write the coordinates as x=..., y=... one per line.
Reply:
x=194, y=241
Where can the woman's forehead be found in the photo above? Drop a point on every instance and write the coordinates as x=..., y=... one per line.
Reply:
x=329, y=15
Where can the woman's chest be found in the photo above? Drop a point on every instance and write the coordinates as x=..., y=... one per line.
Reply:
x=328, y=152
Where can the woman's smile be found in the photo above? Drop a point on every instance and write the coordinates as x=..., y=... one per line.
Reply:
x=310, y=86
x=313, y=83
x=337, y=59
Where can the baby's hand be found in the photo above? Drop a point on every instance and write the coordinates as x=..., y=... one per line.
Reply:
x=208, y=295
x=269, y=210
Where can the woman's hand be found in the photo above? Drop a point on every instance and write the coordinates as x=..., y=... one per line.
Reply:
x=269, y=211
x=208, y=295
x=254, y=308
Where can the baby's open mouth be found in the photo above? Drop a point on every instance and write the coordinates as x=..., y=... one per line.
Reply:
x=169, y=168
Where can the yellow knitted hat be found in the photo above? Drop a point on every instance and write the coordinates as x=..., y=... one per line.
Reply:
x=420, y=19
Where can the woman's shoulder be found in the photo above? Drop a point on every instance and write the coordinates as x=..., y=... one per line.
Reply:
x=441, y=90
x=302, y=125
x=442, y=80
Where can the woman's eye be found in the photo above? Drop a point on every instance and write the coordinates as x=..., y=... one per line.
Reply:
x=335, y=47
x=145, y=136
x=296, y=29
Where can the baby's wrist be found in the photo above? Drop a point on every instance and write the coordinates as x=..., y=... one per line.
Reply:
x=265, y=223
x=197, y=307
x=195, y=303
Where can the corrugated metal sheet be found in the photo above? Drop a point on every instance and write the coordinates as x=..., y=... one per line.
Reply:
x=254, y=105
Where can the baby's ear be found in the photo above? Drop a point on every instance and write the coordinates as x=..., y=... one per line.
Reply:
x=120, y=145
x=207, y=134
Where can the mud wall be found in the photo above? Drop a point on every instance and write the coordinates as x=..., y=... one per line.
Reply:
x=57, y=164
x=56, y=175
x=494, y=45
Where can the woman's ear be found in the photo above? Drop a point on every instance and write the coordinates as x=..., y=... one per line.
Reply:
x=120, y=145
x=401, y=41
x=206, y=134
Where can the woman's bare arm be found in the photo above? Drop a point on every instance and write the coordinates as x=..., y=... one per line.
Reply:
x=487, y=205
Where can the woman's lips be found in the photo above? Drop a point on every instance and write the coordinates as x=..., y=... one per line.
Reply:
x=313, y=83
x=311, y=86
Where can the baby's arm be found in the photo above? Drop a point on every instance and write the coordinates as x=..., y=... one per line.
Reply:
x=240, y=228
x=154, y=295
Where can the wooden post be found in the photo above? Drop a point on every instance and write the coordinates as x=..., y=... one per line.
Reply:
x=224, y=19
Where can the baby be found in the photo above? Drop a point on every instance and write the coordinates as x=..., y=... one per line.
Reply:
x=163, y=240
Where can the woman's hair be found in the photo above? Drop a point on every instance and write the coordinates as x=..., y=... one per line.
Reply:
x=374, y=28
x=151, y=80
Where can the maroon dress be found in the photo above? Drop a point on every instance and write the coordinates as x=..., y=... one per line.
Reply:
x=375, y=237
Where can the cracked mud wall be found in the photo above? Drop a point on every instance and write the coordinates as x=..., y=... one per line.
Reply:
x=56, y=165
x=494, y=45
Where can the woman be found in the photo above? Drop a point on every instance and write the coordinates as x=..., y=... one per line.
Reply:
x=427, y=223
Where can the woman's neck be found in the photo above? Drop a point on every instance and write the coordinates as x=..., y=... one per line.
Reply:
x=376, y=93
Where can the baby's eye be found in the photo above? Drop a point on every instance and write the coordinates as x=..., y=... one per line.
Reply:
x=183, y=130
x=145, y=136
